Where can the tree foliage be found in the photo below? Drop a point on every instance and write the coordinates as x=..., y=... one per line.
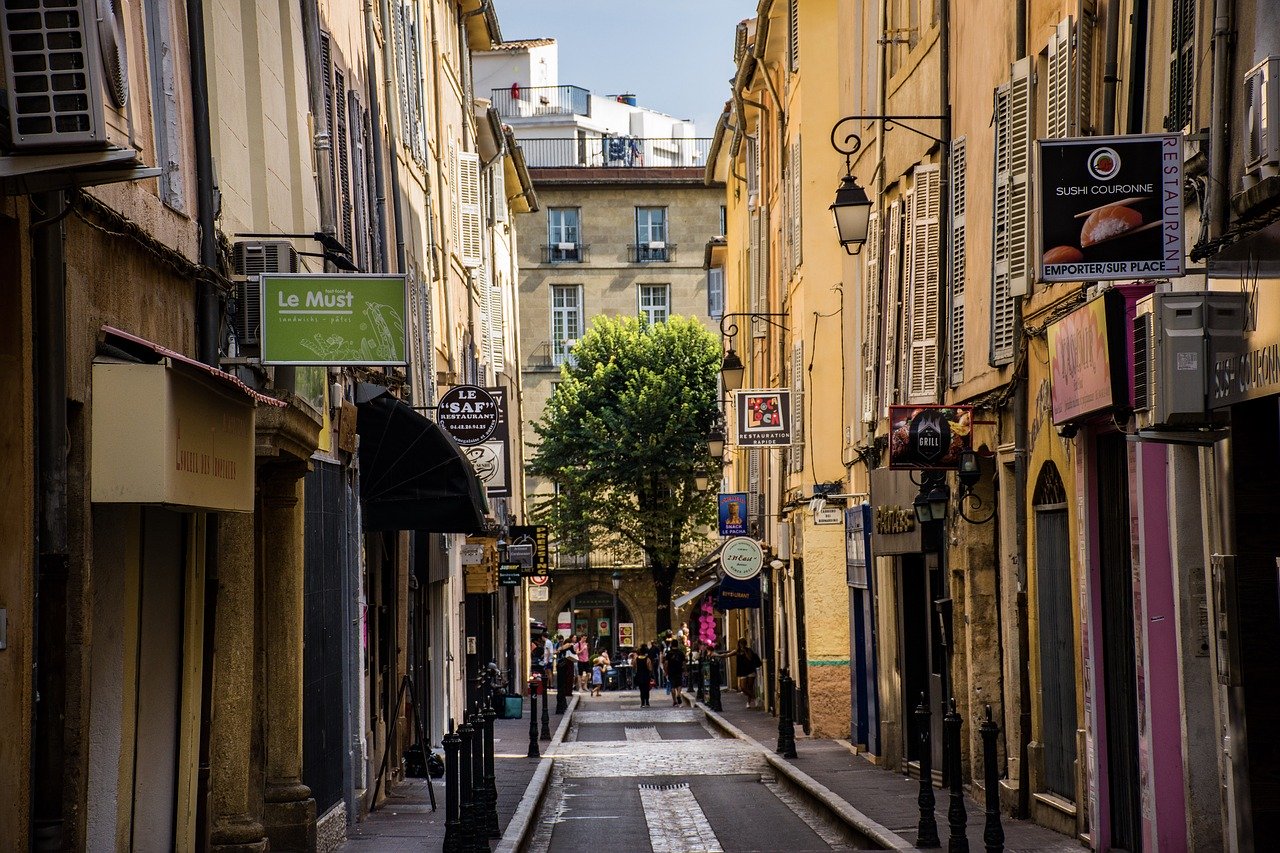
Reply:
x=624, y=436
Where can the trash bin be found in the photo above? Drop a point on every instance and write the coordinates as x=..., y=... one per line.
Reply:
x=512, y=706
x=611, y=679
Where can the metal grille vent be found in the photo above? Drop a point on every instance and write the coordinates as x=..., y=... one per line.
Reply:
x=115, y=60
x=1142, y=362
x=252, y=260
x=51, y=76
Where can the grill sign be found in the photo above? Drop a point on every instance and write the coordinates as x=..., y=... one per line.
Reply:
x=469, y=414
x=1110, y=208
x=929, y=437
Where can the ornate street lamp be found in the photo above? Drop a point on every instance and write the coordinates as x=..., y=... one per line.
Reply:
x=715, y=444
x=732, y=370
x=616, y=578
x=852, y=213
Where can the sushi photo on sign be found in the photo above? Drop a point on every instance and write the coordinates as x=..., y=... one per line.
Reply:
x=1109, y=208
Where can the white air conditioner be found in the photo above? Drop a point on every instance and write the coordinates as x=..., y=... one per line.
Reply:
x=566, y=247
x=1177, y=339
x=1262, y=117
x=250, y=260
x=66, y=70
x=657, y=245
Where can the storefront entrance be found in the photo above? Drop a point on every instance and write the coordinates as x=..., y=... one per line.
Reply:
x=592, y=614
x=922, y=652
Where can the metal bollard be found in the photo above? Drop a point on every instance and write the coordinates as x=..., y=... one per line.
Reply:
x=452, y=825
x=546, y=703
x=993, y=833
x=714, y=703
x=466, y=791
x=927, y=829
x=564, y=686
x=533, y=720
x=479, y=795
x=786, y=724
x=490, y=775
x=702, y=693
x=957, y=841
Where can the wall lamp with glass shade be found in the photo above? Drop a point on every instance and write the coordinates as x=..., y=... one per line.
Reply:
x=732, y=370
x=715, y=444
x=702, y=481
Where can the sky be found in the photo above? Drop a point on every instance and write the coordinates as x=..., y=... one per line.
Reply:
x=675, y=55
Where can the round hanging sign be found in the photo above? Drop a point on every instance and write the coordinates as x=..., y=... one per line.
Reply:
x=742, y=558
x=539, y=580
x=468, y=413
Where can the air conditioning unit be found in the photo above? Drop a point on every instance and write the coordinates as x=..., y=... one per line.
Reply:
x=250, y=260
x=657, y=245
x=1177, y=339
x=1262, y=117
x=66, y=68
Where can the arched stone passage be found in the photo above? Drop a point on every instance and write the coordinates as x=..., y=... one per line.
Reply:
x=636, y=594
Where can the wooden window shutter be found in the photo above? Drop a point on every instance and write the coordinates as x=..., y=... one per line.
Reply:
x=1086, y=25
x=872, y=287
x=793, y=36
x=472, y=248
x=1059, y=106
x=1009, y=231
x=455, y=176
x=499, y=192
x=797, y=206
x=498, y=317
x=1021, y=135
x=762, y=275
x=796, y=451
x=955, y=330
x=892, y=310
x=1182, y=37
x=341, y=149
x=784, y=239
x=753, y=261
x=404, y=69
x=926, y=253
x=753, y=483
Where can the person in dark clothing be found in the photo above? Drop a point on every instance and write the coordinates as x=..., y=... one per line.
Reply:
x=674, y=665
x=644, y=674
x=748, y=663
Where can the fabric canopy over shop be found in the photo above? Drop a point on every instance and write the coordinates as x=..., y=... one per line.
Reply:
x=694, y=593
x=413, y=476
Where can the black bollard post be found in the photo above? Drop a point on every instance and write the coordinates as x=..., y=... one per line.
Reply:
x=702, y=693
x=533, y=720
x=786, y=720
x=927, y=829
x=545, y=734
x=993, y=833
x=479, y=794
x=466, y=790
x=490, y=774
x=564, y=686
x=715, y=685
x=452, y=826
x=957, y=841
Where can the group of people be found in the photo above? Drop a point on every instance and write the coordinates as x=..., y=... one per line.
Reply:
x=661, y=663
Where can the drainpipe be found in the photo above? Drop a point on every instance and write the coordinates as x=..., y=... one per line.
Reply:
x=1110, y=66
x=1137, y=67
x=1020, y=437
x=1220, y=108
x=48, y=284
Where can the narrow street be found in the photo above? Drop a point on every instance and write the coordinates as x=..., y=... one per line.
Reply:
x=664, y=779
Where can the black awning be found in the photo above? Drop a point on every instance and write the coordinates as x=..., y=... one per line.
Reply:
x=413, y=476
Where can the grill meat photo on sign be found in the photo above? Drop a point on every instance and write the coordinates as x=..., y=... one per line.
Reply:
x=928, y=436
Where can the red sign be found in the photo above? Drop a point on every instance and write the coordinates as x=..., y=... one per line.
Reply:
x=929, y=438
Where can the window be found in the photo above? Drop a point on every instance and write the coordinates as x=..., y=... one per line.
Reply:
x=724, y=221
x=651, y=234
x=563, y=243
x=566, y=320
x=959, y=185
x=1068, y=93
x=471, y=247
x=872, y=287
x=655, y=302
x=715, y=292
x=1010, y=269
x=165, y=103
x=1182, y=38
x=925, y=291
x=410, y=72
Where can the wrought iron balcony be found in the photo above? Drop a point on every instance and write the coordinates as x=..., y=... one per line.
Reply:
x=565, y=253
x=645, y=253
x=607, y=152
x=548, y=356
x=542, y=101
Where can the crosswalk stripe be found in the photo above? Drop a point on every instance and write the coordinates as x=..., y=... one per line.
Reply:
x=676, y=821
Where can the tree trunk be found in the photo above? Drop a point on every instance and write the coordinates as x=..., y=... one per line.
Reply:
x=662, y=588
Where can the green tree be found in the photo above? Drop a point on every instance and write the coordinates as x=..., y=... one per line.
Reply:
x=624, y=436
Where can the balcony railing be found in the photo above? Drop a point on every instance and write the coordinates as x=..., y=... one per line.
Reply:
x=548, y=356
x=645, y=253
x=565, y=253
x=614, y=152
x=542, y=101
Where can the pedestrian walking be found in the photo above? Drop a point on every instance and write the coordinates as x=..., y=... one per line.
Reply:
x=644, y=673
x=584, y=661
x=674, y=663
x=597, y=676
x=748, y=663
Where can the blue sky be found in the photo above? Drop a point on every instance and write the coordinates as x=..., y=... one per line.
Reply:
x=675, y=55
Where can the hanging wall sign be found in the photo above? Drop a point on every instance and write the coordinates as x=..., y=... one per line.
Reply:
x=929, y=438
x=1109, y=207
x=529, y=545
x=733, y=514
x=492, y=458
x=333, y=320
x=764, y=417
x=742, y=558
x=468, y=413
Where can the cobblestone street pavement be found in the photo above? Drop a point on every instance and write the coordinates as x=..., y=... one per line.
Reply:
x=662, y=779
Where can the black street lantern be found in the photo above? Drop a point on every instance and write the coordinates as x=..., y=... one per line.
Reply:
x=969, y=472
x=732, y=370
x=715, y=444
x=852, y=213
x=702, y=481
x=931, y=502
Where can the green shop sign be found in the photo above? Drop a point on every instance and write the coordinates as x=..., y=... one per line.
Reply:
x=330, y=320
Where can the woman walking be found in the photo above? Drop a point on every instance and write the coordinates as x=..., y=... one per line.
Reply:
x=584, y=661
x=675, y=671
x=644, y=674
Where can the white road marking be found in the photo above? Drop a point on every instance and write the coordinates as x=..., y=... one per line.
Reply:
x=676, y=821
x=642, y=733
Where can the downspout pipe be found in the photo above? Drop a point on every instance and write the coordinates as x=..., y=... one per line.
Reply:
x=1220, y=109
x=1021, y=439
x=1110, y=66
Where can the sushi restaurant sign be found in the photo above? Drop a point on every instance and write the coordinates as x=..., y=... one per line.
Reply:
x=333, y=320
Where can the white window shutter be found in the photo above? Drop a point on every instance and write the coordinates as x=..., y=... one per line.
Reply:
x=497, y=326
x=796, y=451
x=793, y=40
x=1021, y=135
x=797, y=206
x=762, y=274
x=1060, y=90
x=753, y=482
x=922, y=359
x=455, y=173
x=753, y=261
x=1082, y=54
x=955, y=332
x=499, y=192
x=471, y=249
x=892, y=308
x=871, y=319
x=784, y=241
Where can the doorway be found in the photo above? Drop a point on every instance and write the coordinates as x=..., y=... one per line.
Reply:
x=592, y=614
x=921, y=652
x=1057, y=634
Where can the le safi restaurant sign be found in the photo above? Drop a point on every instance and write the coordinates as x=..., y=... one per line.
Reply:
x=334, y=320
x=1109, y=208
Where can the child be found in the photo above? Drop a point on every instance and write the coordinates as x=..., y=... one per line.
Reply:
x=597, y=678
